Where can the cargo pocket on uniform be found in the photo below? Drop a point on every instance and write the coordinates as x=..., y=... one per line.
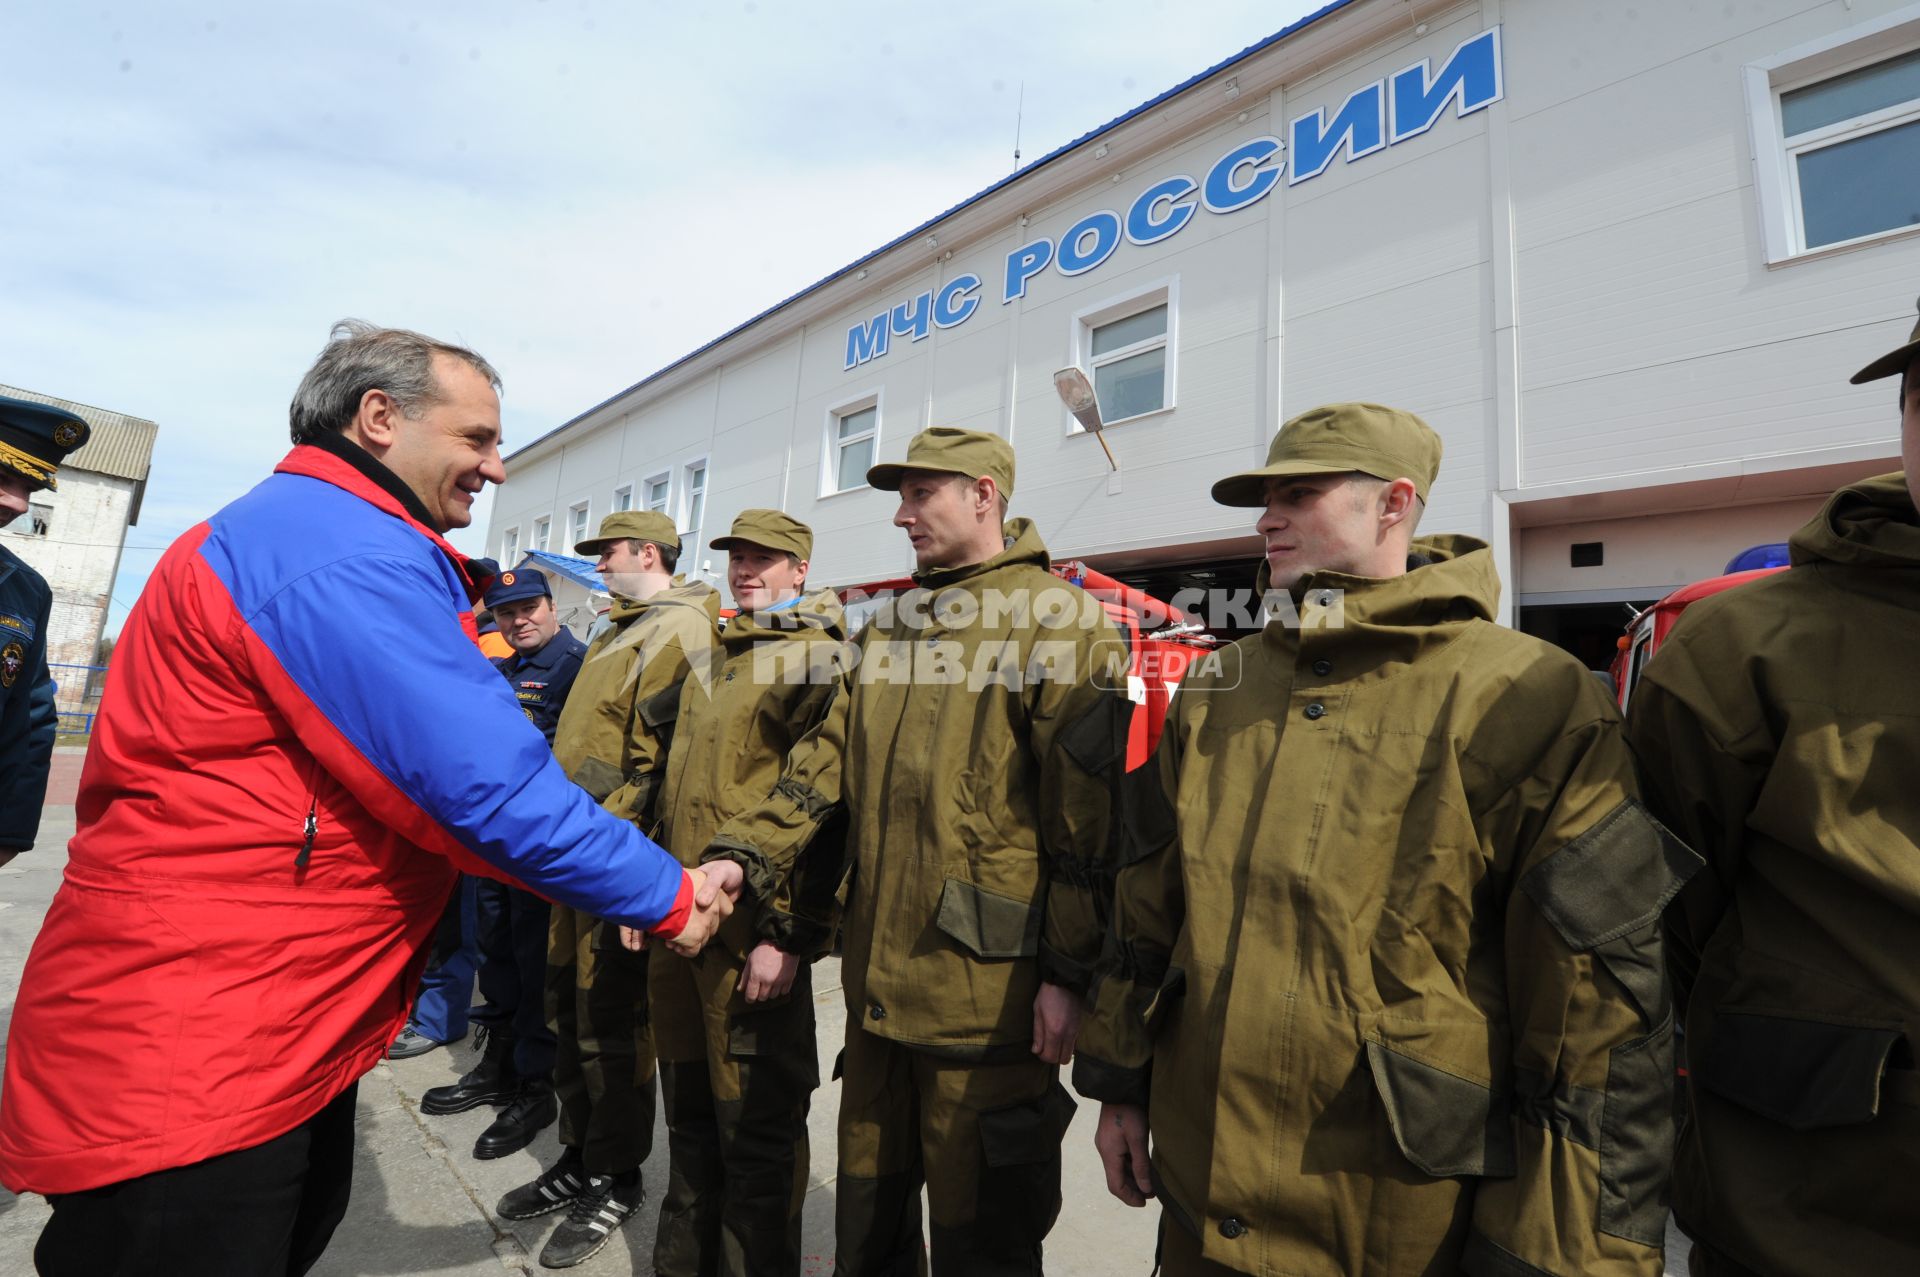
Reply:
x=1098, y=738
x=1803, y=1074
x=1020, y=1167
x=1446, y=1125
x=1636, y=1138
x=987, y=923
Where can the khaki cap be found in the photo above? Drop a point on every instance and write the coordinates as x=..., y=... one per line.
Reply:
x=1340, y=439
x=641, y=525
x=770, y=530
x=1891, y=363
x=973, y=453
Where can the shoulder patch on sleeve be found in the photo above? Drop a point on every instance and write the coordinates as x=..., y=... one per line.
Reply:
x=1613, y=879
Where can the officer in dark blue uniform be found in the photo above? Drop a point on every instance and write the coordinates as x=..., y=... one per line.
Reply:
x=34, y=439
x=516, y=1064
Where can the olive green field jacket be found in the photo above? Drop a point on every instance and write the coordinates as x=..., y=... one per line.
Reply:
x=735, y=722
x=971, y=743
x=1386, y=962
x=602, y=741
x=1777, y=730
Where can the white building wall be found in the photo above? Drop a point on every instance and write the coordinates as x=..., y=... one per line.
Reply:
x=78, y=557
x=1570, y=285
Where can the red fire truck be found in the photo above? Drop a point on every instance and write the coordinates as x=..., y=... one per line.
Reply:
x=1649, y=628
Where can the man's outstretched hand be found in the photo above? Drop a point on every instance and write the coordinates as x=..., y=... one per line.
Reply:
x=1121, y=1139
x=715, y=887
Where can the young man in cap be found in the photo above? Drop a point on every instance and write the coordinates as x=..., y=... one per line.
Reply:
x=34, y=439
x=734, y=1027
x=969, y=745
x=1385, y=980
x=612, y=740
x=268, y=834
x=515, y=1068
x=1777, y=731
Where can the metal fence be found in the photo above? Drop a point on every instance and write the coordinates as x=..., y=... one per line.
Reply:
x=76, y=696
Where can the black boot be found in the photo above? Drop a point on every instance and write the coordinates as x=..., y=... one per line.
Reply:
x=490, y=1081
x=533, y=1111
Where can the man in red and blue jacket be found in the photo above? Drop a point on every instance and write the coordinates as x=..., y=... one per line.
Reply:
x=269, y=823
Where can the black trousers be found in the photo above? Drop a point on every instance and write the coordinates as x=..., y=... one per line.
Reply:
x=513, y=973
x=257, y=1212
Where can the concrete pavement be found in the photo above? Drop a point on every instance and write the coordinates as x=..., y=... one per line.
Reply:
x=423, y=1205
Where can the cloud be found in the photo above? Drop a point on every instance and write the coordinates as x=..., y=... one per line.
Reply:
x=582, y=192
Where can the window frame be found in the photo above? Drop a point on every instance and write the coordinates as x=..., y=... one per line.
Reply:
x=624, y=490
x=542, y=538
x=646, y=486
x=831, y=443
x=583, y=509
x=688, y=528
x=1112, y=309
x=1776, y=156
x=509, y=546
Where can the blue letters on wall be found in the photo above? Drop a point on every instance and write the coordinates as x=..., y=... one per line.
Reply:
x=1374, y=117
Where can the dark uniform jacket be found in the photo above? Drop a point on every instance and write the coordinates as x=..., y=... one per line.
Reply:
x=1388, y=974
x=540, y=681
x=27, y=719
x=1778, y=731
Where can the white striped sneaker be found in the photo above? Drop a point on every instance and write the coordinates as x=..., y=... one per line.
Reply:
x=554, y=1190
x=599, y=1208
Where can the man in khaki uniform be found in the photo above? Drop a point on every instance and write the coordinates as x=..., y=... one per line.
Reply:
x=1778, y=731
x=1385, y=980
x=612, y=741
x=733, y=1027
x=969, y=744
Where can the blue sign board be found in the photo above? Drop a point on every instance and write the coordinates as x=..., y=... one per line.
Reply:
x=1382, y=114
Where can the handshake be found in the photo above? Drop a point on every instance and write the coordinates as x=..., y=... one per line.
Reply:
x=716, y=885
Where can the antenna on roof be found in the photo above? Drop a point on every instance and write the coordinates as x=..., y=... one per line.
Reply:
x=1018, y=112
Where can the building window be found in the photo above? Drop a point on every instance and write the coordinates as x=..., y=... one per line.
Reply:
x=853, y=435
x=577, y=521
x=542, y=534
x=696, y=498
x=39, y=518
x=623, y=498
x=510, y=548
x=658, y=489
x=1837, y=138
x=1126, y=345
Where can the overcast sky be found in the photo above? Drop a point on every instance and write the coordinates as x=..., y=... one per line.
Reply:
x=582, y=192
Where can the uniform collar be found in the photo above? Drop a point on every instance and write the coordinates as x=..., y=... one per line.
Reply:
x=550, y=654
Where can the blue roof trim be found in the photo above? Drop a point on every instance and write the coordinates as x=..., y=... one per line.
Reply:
x=971, y=200
x=579, y=571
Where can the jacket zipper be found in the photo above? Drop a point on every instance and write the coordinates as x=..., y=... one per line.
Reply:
x=311, y=829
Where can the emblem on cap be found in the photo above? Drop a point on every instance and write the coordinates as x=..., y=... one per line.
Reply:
x=66, y=434
x=506, y=578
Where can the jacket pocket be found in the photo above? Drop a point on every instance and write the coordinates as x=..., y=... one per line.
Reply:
x=1028, y=1132
x=1446, y=1125
x=1803, y=1074
x=988, y=923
